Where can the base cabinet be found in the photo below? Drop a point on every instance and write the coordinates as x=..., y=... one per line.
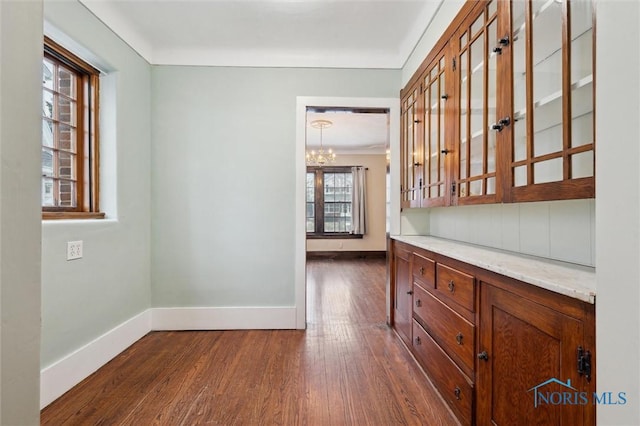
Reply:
x=499, y=351
x=530, y=372
x=403, y=292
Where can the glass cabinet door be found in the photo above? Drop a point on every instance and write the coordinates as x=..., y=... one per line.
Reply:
x=411, y=155
x=552, y=132
x=477, y=76
x=435, y=96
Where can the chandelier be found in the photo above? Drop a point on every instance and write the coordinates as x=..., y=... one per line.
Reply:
x=320, y=157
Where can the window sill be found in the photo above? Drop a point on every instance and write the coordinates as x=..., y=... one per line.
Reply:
x=334, y=236
x=72, y=215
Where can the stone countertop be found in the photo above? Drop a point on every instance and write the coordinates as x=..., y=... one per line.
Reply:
x=569, y=279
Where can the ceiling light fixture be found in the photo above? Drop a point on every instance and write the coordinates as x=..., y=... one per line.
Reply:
x=320, y=157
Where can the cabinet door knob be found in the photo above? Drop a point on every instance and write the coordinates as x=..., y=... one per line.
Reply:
x=418, y=303
x=459, y=338
x=483, y=356
x=410, y=292
x=445, y=97
x=452, y=286
x=497, y=50
x=457, y=393
x=421, y=270
x=418, y=341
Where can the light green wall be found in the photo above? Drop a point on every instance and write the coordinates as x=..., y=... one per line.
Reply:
x=20, y=138
x=223, y=178
x=85, y=298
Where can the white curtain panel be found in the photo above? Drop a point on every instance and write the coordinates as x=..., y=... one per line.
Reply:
x=359, y=201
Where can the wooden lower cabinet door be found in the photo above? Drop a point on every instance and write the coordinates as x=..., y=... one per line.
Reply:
x=403, y=295
x=529, y=374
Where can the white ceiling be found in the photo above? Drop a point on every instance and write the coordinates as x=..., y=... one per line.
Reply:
x=281, y=33
x=379, y=34
x=350, y=133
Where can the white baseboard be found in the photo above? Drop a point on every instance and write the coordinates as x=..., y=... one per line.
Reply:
x=231, y=318
x=64, y=374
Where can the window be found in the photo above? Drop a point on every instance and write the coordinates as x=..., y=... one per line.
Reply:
x=328, y=210
x=69, y=135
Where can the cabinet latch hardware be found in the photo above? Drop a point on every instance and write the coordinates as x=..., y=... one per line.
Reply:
x=445, y=97
x=504, y=42
x=504, y=122
x=454, y=64
x=584, y=363
x=410, y=292
x=453, y=189
x=419, y=181
x=445, y=151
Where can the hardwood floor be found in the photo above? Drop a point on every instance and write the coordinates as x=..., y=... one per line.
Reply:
x=347, y=368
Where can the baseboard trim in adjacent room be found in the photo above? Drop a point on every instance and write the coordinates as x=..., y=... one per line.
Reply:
x=224, y=318
x=59, y=377
x=346, y=254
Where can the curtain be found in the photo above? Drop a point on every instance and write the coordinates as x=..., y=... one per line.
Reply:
x=359, y=201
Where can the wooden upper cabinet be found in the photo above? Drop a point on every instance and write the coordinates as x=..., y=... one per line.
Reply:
x=551, y=50
x=410, y=149
x=477, y=77
x=503, y=108
x=437, y=95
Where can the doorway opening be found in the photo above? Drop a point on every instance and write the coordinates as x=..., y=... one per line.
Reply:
x=362, y=132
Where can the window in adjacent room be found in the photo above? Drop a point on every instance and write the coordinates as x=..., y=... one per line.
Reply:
x=69, y=135
x=328, y=202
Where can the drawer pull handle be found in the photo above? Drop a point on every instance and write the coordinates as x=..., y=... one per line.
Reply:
x=418, y=341
x=421, y=270
x=459, y=338
x=483, y=356
x=457, y=392
x=452, y=286
x=418, y=303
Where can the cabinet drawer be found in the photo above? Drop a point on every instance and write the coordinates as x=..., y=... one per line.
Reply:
x=456, y=286
x=424, y=271
x=454, y=333
x=453, y=385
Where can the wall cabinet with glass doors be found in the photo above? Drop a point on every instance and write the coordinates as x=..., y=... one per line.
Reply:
x=503, y=107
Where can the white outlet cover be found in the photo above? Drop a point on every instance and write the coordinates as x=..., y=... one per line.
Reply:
x=74, y=250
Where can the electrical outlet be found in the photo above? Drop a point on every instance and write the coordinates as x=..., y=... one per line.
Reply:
x=74, y=250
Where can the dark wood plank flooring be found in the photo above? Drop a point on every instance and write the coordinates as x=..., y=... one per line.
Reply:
x=347, y=368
